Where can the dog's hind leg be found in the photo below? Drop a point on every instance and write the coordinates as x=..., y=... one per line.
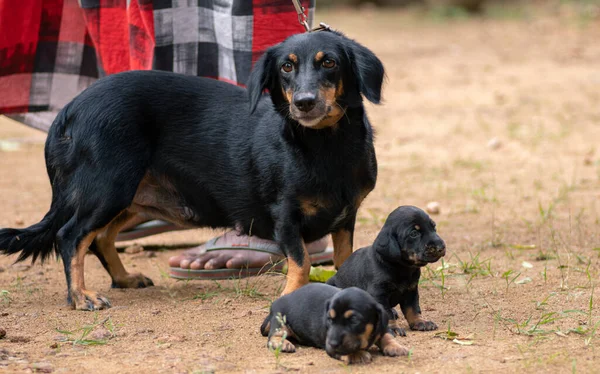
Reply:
x=104, y=248
x=73, y=244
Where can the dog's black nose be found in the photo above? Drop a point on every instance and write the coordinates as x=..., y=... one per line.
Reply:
x=305, y=101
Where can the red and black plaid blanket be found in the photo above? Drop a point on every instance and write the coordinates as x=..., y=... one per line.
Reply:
x=50, y=50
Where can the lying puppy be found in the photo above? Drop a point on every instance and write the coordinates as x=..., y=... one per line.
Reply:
x=293, y=165
x=390, y=269
x=346, y=323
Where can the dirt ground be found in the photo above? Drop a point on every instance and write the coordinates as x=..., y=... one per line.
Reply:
x=498, y=120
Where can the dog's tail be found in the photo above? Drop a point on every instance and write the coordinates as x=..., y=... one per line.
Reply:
x=39, y=240
x=266, y=326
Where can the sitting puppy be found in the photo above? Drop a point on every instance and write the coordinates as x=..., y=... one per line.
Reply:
x=344, y=322
x=390, y=269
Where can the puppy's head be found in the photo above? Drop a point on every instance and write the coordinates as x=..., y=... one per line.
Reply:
x=354, y=322
x=409, y=237
x=313, y=77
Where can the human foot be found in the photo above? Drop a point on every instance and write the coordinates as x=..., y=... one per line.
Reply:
x=253, y=252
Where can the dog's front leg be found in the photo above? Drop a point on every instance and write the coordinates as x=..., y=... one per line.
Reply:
x=343, y=241
x=287, y=234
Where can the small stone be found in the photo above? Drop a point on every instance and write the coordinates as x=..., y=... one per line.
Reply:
x=4, y=314
x=54, y=345
x=19, y=221
x=588, y=160
x=42, y=367
x=134, y=249
x=155, y=312
x=494, y=143
x=101, y=333
x=1, y=269
x=145, y=254
x=2, y=333
x=433, y=207
x=21, y=267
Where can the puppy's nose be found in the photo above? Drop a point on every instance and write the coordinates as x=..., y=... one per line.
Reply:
x=305, y=101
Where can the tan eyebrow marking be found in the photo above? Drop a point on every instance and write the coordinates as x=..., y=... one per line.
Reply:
x=417, y=227
x=331, y=313
x=293, y=58
x=348, y=313
x=319, y=56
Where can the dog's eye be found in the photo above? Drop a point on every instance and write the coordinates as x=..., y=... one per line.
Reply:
x=415, y=234
x=287, y=67
x=328, y=63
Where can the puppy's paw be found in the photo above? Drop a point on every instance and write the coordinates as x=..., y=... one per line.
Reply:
x=88, y=300
x=393, y=349
x=396, y=329
x=360, y=357
x=423, y=325
x=286, y=345
x=135, y=280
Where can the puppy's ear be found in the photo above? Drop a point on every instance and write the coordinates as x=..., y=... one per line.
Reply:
x=386, y=243
x=262, y=77
x=368, y=71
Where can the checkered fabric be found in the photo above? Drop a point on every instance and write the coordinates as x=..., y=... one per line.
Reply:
x=50, y=50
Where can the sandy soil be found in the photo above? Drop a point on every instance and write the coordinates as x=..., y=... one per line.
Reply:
x=497, y=120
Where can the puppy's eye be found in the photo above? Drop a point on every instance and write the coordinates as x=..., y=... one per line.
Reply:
x=287, y=67
x=328, y=63
x=415, y=234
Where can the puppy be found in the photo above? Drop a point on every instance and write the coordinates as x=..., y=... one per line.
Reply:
x=346, y=323
x=293, y=165
x=390, y=269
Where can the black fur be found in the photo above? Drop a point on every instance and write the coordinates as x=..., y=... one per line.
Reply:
x=308, y=321
x=217, y=155
x=390, y=269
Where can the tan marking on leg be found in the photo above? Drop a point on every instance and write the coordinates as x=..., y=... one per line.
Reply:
x=319, y=56
x=332, y=313
x=365, y=336
x=360, y=357
x=105, y=244
x=279, y=339
x=293, y=58
x=297, y=276
x=412, y=317
x=342, y=247
x=390, y=347
x=348, y=313
x=83, y=299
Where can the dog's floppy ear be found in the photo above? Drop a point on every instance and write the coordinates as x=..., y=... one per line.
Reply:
x=262, y=77
x=368, y=71
x=386, y=243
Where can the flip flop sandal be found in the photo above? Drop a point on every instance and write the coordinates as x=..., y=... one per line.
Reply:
x=319, y=258
x=147, y=229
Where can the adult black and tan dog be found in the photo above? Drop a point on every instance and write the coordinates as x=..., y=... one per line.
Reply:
x=346, y=323
x=390, y=269
x=292, y=166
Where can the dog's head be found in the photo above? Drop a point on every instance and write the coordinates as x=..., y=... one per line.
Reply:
x=354, y=322
x=409, y=237
x=313, y=77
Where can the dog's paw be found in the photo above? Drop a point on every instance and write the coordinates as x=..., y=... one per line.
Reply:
x=135, y=280
x=397, y=331
x=360, y=357
x=423, y=325
x=286, y=345
x=89, y=300
x=395, y=328
x=393, y=349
